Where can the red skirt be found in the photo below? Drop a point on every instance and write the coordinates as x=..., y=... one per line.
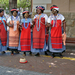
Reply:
x=39, y=37
x=25, y=39
x=3, y=35
x=56, y=35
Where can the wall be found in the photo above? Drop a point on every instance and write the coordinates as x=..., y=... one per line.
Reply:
x=62, y=4
x=67, y=8
x=40, y=2
x=72, y=5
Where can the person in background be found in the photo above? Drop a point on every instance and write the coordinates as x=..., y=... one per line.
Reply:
x=3, y=32
x=13, y=23
x=55, y=21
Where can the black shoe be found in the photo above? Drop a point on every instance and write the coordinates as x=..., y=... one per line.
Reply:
x=17, y=52
x=30, y=53
x=52, y=56
x=37, y=54
x=24, y=54
x=46, y=53
x=61, y=56
x=7, y=48
x=12, y=53
x=3, y=52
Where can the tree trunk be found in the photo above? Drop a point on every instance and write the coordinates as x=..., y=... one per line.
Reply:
x=12, y=4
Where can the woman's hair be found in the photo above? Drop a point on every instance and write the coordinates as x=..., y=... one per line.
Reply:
x=1, y=10
x=57, y=11
x=54, y=6
x=13, y=11
x=24, y=14
x=42, y=10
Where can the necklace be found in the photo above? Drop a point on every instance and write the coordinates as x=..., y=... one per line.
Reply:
x=27, y=23
x=15, y=22
x=38, y=27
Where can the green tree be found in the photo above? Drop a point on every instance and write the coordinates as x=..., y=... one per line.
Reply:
x=23, y=3
x=4, y=4
x=20, y=3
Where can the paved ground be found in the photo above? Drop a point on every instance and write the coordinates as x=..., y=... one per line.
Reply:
x=43, y=65
x=12, y=71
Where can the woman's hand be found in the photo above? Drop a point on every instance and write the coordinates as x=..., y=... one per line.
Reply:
x=20, y=27
x=64, y=38
x=10, y=25
x=48, y=25
x=33, y=23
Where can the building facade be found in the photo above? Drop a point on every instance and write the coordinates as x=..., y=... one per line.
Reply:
x=66, y=7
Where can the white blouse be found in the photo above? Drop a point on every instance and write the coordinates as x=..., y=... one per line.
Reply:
x=58, y=17
x=43, y=15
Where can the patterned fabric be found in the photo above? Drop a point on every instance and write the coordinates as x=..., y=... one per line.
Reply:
x=13, y=41
x=14, y=34
x=3, y=32
x=56, y=30
x=25, y=39
x=55, y=50
x=56, y=35
x=39, y=33
x=54, y=7
x=34, y=50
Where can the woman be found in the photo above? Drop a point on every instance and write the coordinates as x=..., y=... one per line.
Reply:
x=55, y=37
x=13, y=23
x=3, y=32
x=39, y=42
x=25, y=38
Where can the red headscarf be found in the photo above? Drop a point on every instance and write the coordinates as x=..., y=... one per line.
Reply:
x=54, y=7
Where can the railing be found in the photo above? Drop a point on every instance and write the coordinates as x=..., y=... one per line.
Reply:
x=70, y=40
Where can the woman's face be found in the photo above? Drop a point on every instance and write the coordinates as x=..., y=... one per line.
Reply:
x=39, y=11
x=15, y=13
x=2, y=13
x=26, y=15
x=54, y=11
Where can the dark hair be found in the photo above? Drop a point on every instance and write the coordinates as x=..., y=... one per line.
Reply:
x=14, y=10
x=42, y=10
x=54, y=6
x=57, y=11
x=1, y=10
x=24, y=14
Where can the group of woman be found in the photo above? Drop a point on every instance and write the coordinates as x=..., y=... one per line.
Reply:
x=29, y=35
